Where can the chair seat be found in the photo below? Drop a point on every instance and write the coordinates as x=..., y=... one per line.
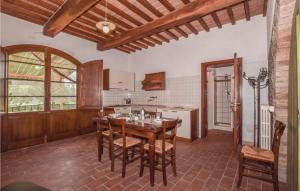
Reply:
x=158, y=146
x=254, y=153
x=130, y=141
x=106, y=133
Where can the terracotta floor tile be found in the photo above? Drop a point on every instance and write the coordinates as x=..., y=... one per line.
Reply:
x=71, y=164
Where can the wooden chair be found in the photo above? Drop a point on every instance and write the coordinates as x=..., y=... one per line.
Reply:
x=106, y=133
x=126, y=143
x=164, y=146
x=261, y=160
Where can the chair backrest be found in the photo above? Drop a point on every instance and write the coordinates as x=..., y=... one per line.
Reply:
x=117, y=123
x=169, y=126
x=279, y=129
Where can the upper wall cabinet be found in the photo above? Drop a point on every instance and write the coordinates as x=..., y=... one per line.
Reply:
x=115, y=79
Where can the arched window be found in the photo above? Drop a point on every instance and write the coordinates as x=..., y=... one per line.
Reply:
x=40, y=78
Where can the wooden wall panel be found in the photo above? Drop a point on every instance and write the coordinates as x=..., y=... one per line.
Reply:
x=24, y=129
x=86, y=123
x=62, y=124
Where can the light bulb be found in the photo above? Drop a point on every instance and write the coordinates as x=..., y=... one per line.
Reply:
x=105, y=28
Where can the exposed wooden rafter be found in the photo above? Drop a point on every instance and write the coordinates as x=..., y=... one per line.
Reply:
x=136, y=10
x=231, y=16
x=180, y=31
x=191, y=28
x=121, y=13
x=68, y=12
x=247, y=10
x=265, y=7
x=180, y=16
x=203, y=24
x=216, y=19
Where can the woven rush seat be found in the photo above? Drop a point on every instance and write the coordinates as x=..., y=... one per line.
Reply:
x=106, y=133
x=130, y=141
x=158, y=146
x=251, y=152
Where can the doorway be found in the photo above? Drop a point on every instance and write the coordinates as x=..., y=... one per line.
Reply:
x=221, y=97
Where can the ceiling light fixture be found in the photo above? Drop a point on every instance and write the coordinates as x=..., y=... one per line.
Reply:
x=105, y=26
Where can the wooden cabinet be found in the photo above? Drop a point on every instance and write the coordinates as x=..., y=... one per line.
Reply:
x=115, y=79
x=189, y=128
x=154, y=81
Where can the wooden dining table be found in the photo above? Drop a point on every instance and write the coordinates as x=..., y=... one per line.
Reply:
x=149, y=129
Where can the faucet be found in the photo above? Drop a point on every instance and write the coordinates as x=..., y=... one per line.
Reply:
x=152, y=98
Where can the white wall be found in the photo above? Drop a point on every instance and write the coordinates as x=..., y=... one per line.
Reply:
x=17, y=31
x=180, y=59
x=183, y=57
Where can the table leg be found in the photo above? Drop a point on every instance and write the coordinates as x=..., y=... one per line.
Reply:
x=100, y=142
x=151, y=140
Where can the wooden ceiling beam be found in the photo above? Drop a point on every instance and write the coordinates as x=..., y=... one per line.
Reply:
x=191, y=28
x=231, y=15
x=19, y=12
x=30, y=7
x=216, y=19
x=247, y=10
x=187, y=13
x=121, y=13
x=172, y=35
x=265, y=7
x=68, y=12
x=136, y=10
x=203, y=24
x=167, y=5
x=180, y=31
x=152, y=9
x=45, y=4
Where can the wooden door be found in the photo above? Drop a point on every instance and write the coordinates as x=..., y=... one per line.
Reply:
x=90, y=84
x=237, y=106
x=90, y=101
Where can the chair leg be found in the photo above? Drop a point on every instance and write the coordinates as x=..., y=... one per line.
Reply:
x=112, y=157
x=240, y=171
x=275, y=180
x=124, y=161
x=173, y=161
x=110, y=145
x=142, y=160
x=163, y=158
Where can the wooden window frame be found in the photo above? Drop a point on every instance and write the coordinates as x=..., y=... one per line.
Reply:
x=48, y=51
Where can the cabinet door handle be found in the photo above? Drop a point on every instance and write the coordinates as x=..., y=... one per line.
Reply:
x=120, y=82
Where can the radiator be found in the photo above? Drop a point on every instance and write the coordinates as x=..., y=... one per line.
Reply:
x=266, y=126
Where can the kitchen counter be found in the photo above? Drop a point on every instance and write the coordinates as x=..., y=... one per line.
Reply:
x=167, y=107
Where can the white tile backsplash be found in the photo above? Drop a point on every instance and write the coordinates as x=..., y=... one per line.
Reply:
x=183, y=91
